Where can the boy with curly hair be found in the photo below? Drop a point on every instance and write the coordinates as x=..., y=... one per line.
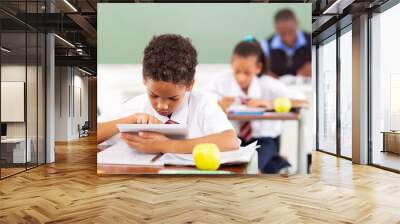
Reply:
x=169, y=66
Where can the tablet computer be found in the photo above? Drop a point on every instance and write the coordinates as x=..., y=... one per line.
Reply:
x=166, y=129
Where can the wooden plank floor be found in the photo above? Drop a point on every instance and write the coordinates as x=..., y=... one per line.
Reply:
x=70, y=192
x=10, y=171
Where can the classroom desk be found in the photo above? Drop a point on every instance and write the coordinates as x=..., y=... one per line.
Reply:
x=105, y=169
x=291, y=116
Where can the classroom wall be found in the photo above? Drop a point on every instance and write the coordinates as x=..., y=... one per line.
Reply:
x=117, y=83
x=213, y=28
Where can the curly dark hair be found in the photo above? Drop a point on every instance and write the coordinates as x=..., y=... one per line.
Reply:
x=170, y=58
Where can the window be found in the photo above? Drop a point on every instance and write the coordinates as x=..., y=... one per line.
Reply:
x=22, y=77
x=346, y=92
x=327, y=96
x=385, y=89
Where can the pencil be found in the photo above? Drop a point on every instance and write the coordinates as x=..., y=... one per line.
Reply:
x=156, y=157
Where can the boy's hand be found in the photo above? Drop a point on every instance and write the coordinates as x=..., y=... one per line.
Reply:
x=147, y=142
x=260, y=103
x=226, y=102
x=141, y=118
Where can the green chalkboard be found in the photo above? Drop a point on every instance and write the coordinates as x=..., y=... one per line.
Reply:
x=214, y=28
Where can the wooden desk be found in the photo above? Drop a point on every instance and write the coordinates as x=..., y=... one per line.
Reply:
x=391, y=141
x=105, y=169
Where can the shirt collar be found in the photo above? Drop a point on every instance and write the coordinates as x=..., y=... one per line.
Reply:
x=277, y=43
x=180, y=115
x=254, y=91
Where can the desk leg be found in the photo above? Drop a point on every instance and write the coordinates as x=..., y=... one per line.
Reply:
x=301, y=152
x=252, y=166
x=384, y=142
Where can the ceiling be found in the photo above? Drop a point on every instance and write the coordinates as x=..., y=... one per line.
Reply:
x=74, y=22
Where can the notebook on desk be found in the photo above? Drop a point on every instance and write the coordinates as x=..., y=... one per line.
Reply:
x=245, y=110
x=242, y=155
x=122, y=154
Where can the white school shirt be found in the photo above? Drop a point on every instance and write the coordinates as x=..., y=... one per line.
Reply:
x=260, y=88
x=202, y=115
x=273, y=88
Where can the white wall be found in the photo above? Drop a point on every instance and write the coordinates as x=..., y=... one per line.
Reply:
x=33, y=127
x=12, y=73
x=12, y=101
x=70, y=84
x=80, y=103
x=62, y=81
x=117, y=83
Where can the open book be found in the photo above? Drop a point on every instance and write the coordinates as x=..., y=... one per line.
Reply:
x=122, y=154
x=242, y=155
